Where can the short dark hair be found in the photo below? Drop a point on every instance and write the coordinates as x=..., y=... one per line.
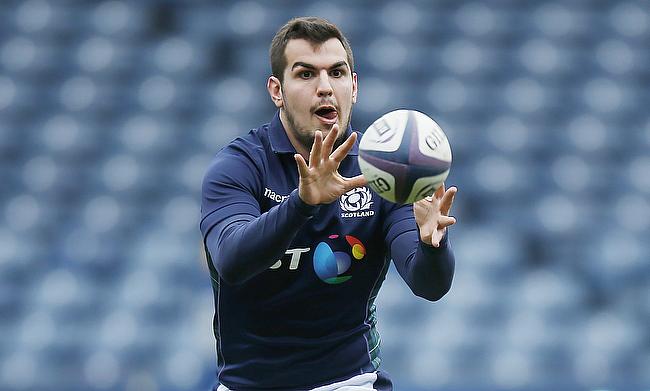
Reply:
x=313, y=29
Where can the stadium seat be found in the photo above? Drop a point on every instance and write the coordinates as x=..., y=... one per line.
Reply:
x=111, y=111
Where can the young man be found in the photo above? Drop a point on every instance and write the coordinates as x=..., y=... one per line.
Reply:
x=297, y=246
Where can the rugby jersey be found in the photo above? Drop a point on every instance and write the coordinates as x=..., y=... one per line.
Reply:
x=294, y=285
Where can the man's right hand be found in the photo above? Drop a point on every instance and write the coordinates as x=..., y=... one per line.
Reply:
x=320, y=182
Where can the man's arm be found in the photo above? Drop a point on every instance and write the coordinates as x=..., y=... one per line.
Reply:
x=244, y=242
x=427, y=270
x=241, y=240
x=244, y=245
x=418, y=240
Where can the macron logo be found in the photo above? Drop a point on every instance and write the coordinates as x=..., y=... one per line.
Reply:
x=273, y=195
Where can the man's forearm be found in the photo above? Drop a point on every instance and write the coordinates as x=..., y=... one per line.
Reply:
x=427, y=270
x=243, y=246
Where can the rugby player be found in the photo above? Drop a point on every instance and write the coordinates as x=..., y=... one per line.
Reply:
x=297, y=245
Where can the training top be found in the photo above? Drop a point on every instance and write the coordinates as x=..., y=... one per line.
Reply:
x=294, y=284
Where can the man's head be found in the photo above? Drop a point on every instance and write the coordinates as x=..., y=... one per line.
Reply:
x=313, y=81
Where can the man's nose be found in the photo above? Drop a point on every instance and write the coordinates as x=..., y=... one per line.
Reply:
x=324, y=86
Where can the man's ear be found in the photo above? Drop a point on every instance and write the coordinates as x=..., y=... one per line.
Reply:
x=274, y=86
x=355, y=87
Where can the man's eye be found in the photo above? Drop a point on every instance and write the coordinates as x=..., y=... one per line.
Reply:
x=336, y=73
x=305, y=74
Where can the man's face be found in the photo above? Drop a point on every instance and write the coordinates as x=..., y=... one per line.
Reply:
x=318, y=90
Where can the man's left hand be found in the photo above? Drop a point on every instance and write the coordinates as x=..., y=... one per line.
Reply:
x=432, y=215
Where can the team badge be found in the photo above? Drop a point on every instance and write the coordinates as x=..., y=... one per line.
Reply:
x=356, y=203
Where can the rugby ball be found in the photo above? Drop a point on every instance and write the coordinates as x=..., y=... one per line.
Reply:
x=405, y=156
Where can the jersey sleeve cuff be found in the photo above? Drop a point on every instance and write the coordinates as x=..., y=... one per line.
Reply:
x=444, y=243
x=301, y=206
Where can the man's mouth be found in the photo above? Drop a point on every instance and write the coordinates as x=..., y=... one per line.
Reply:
x=327, y=114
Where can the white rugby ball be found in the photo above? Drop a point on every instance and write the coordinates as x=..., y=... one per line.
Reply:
x=405, y=156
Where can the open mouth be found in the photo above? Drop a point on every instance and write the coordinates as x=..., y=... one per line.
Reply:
x=327, y=114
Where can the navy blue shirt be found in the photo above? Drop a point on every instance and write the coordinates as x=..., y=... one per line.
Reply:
x=294, y=285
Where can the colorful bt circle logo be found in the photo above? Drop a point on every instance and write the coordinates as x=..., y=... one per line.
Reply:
x=331, y=264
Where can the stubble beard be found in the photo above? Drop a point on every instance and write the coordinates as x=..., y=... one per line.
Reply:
x=306, y=137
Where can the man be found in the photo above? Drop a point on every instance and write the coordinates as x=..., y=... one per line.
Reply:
x=295, y=273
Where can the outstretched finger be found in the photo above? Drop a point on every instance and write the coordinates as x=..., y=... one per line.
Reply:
x=354, y=182
x=303, y=170
x=446, y=221
x=315, y=154
x=447, y=200
x=342, y=151
x=328, y=142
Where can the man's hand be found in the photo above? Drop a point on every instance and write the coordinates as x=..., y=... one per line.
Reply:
x=320, y=182
x=432, y=215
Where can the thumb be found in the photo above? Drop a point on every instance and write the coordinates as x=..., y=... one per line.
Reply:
x=303, y=170
x=354, y=182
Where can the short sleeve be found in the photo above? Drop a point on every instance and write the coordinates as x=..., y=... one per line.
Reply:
x=231, y=187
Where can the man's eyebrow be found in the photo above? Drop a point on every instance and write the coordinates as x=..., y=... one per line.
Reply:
x=338, y=64
x=310, y=66
x=302, y=64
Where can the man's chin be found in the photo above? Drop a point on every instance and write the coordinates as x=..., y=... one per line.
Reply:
x=326, y=129
x=306, y=136
x=340, y=137
x=323, y=126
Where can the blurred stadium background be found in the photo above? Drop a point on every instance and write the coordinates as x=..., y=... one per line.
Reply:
x=110, y=112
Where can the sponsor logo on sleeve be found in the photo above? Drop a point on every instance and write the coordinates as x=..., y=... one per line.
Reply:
x=268, y=193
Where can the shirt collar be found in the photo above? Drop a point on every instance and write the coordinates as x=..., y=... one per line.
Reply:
x=280, y=141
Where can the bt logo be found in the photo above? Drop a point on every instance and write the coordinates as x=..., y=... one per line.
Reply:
x=295, y=258
x=331, y=258
x=331, y=264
